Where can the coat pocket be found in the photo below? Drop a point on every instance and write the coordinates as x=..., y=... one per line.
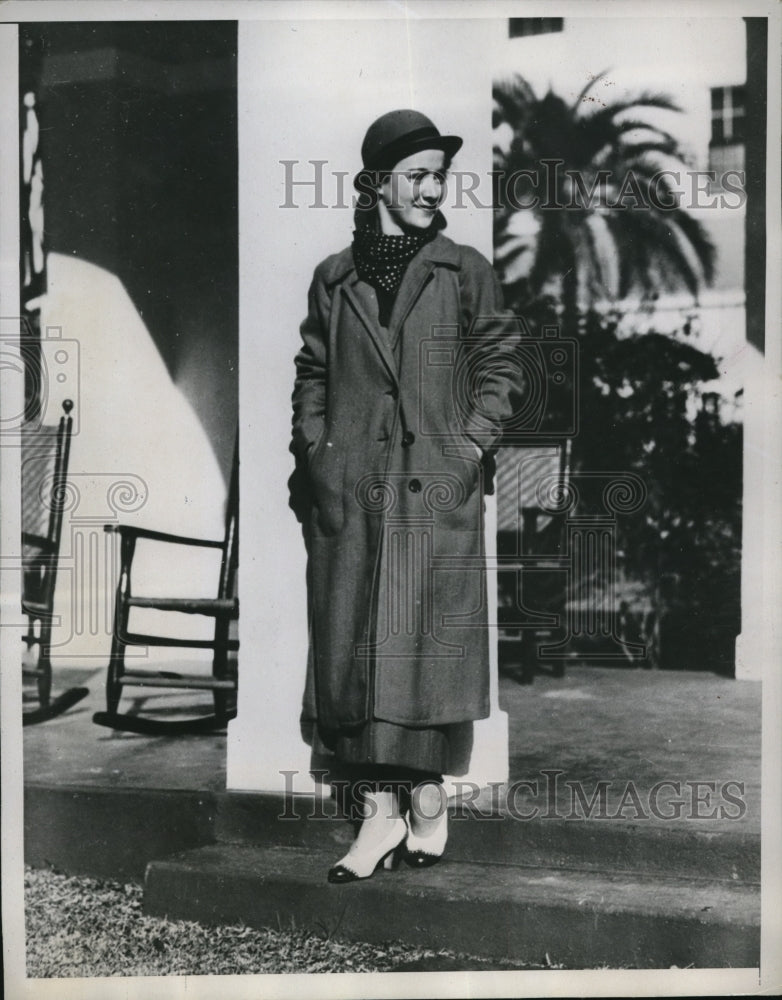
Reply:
x=325, y=474
x=316, y=445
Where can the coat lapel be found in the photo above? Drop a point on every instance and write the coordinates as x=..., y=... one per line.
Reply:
x=416, y=276
x=419, y=272
x=352, y=290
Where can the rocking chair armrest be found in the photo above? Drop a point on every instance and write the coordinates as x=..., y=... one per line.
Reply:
x=130, y=531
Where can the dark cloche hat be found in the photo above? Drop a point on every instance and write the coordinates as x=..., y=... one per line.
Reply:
x=398, y=134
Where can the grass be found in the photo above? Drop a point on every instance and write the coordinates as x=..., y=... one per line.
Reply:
x=79, y=926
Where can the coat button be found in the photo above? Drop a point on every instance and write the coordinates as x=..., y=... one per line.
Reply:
x=393, y=392
x=407, y=439
x=415, y=486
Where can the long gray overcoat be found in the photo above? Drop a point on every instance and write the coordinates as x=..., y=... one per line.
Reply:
x=388, y=424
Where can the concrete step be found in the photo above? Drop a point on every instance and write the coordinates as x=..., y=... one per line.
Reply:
x=113, y=832
x=482, y=832
x=519, y=912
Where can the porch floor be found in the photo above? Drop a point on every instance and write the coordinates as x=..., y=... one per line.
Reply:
x=629, y=831
x=594, y=725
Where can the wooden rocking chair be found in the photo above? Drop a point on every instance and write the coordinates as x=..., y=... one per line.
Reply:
x=224, y=609
x=44, y=495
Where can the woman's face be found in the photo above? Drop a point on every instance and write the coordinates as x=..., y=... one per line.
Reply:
x=412, y=192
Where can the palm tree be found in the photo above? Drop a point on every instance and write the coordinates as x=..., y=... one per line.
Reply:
x=604, y=220
x=586, y=215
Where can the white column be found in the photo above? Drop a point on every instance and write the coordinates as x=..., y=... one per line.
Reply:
x=489, y=760
x=307, y=92
x=758, y=645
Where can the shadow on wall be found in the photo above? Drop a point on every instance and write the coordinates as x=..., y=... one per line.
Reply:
x=139, y=146
x=139, y=455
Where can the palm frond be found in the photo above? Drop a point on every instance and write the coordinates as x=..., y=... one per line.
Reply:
x=595, y=80
x=630, y=257
x=699, y=240
x=692, y=232
x=603, y=251
x=659, y=261
x=616, y=109
x=642, y=125
x=603, y=243
x=512, y=97
x=657, y=147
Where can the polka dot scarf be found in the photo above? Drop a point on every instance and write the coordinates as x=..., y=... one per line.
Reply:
x=382, y=260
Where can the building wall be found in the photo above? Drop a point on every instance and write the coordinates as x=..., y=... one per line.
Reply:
x=139, y=148
x=308, y=90
x=636, y=55
x=138, y=128
x=682, y=58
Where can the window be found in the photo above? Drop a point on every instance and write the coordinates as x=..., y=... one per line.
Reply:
x=727, y=115
x=520, y=27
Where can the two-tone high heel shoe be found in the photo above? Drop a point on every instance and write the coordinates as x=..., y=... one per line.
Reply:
x=422, y=852
x=359, y=864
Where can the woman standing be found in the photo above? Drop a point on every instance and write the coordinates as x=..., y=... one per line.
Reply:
x=402, y=385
